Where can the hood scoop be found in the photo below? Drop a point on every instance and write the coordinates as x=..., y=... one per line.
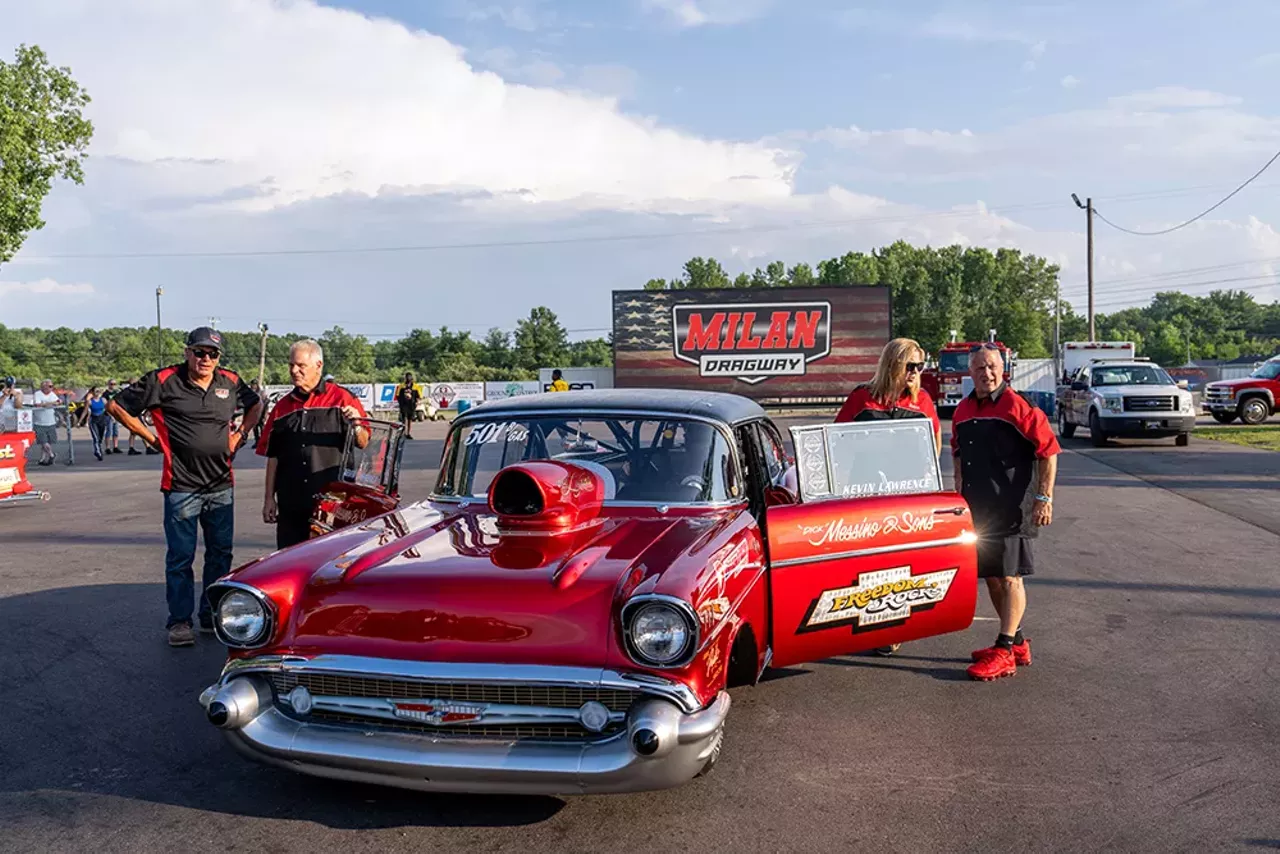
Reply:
x=545, y=497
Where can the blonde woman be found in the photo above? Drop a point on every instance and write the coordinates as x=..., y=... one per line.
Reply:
x=894, y=392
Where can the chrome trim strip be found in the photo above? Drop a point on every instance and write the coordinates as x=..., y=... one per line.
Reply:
x=439, y=671
x=491, y=714
x=695, y=627
x=269, y=624
x=964, y=537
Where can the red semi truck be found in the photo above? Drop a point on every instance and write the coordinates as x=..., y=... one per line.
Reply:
x=945, y=380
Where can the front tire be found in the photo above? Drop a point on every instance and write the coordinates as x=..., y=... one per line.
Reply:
x=1096, y=436
x=1254, y=411
x=1224, y=417
x=1065, y=429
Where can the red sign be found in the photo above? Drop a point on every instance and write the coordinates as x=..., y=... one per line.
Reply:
x=13, y=463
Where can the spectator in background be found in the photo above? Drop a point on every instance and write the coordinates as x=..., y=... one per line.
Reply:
x=257, y=428
x=96, y=409
x=44, y=419
x=407, y=397
x=111, y=438
x=303, y=442
x=557, y=381
x=194, y=404
x=10, y=403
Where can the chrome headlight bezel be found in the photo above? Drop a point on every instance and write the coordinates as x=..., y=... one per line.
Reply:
x=637, y=607
x=221, y=592
x=1113, y=403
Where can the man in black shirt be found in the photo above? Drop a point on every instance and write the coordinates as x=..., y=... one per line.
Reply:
x=407, y=397
x=192, y=405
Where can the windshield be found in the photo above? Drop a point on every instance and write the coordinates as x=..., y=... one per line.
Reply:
x=958, y=363
x=648, y=460
x=1131, y=375
x=1267, y=370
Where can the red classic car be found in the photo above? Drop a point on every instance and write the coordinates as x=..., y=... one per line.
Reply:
x=591, y=573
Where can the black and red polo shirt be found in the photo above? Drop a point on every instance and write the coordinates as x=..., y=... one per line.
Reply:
x=999, y=441
x=305, y=435
x=193, y=424
x=861, y=406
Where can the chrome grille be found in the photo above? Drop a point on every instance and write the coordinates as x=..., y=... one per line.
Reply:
x=1150, y=404
x=518, y=694
x=554, y=696
x=1217, y=395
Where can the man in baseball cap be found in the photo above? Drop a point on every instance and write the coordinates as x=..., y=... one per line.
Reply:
x=193, y=404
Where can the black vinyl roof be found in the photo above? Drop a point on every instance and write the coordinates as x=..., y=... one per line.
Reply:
x=729, y=408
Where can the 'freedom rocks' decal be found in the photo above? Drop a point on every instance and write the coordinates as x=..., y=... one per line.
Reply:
x=878, y=599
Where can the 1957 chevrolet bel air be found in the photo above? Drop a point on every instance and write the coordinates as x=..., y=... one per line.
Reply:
x=566, y=612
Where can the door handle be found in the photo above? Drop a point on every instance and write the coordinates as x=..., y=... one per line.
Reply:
x=953, y=511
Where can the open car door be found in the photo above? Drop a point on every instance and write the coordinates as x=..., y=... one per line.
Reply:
x=369, y=483
x=875, y=552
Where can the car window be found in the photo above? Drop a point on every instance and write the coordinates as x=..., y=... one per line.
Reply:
x=1267, y=371
x=775, y=457
x=646, y=460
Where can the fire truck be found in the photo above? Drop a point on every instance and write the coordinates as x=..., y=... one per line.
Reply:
x=945, y=379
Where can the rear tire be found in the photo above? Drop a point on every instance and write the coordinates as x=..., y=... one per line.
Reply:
x=1096, y=435
x=1254, y=410
x=1065, y=429
x=1182, y=440
x=1224, y=417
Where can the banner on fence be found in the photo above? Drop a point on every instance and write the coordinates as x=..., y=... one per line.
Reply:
x=447, y=395
x=504, y=390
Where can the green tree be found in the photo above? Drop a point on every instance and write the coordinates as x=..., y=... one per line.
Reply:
x=541, y=341
x=43, y=136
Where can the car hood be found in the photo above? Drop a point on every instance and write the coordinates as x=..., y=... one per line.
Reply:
x=1139, y=390
x=435, y=583
x=1241, y=382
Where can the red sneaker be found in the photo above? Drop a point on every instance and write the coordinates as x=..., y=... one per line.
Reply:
x=1021, y=653
x=998, y=663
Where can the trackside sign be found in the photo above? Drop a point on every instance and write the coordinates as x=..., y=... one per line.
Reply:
x=752, y=342
x=770, y=344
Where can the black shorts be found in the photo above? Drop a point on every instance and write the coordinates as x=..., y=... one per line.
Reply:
x=407, y=414
x=1005, y=557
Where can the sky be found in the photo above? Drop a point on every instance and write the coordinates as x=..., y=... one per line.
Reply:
x=386, y=165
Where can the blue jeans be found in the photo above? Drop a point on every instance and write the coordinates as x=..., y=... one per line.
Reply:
x=214, y=512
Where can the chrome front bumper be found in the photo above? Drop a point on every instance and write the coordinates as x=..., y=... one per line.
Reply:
x=660, y=747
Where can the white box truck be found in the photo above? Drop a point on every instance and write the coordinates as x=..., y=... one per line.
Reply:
x=1077, y=354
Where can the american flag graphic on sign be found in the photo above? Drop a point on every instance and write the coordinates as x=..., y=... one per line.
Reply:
x=762, y=343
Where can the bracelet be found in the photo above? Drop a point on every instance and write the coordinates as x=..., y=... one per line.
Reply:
x=1045, y=498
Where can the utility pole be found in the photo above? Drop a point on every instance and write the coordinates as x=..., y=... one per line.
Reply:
x=1087, y=207
x=1057, y=334
x=159, y=331
x=213, y=322
x=262, y=357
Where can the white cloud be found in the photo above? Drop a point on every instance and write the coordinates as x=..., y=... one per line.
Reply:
x=44, y=287
x=1173, y=97
x=697, y=13
x=507, y=62
x=524, y=18
x=1070, y=81
x=402, y=108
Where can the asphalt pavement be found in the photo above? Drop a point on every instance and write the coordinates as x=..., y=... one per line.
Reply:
x=1148, y=722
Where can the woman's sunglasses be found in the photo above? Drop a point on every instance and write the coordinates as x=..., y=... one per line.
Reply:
x=915, y=367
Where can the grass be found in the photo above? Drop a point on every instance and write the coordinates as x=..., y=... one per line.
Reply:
x=1265, y=437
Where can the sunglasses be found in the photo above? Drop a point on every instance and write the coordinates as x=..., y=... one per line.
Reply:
x=201, y=353
x=915, y=367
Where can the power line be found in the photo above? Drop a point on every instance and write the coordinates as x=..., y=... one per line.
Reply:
x=1198, y=216
x=1254, y=287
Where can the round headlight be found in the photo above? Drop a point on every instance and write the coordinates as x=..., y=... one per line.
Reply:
x=660, y=633
x=241, y=617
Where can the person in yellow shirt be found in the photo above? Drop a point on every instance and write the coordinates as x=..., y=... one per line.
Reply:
x=557, y=381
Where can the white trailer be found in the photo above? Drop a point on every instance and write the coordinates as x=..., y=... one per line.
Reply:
x=1077, y=354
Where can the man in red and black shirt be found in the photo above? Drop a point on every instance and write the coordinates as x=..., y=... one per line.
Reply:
x=303, y=443
x=1006, y=464
x=193, y=405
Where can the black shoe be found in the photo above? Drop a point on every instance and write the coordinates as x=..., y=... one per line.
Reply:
x=152, y=452
x=98, y=454
x=116, y=451
x=206, y=624
x=133, y=452
x=887, y=651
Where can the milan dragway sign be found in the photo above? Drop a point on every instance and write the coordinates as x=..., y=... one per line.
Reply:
x=752, y=341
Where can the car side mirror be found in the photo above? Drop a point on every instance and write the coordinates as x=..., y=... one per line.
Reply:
x=1183, y=384
x=1079, y=386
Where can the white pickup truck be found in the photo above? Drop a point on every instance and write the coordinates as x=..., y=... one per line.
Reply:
x=1125, y=397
